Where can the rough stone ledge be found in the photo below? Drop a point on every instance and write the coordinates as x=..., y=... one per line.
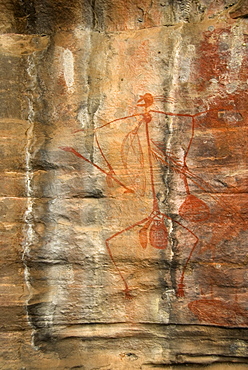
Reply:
x=166, y=331
x=182, y=344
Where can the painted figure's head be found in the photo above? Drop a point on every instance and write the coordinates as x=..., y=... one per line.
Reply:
x=147, y=100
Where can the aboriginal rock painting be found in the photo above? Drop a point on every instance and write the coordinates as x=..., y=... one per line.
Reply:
x=140, y=148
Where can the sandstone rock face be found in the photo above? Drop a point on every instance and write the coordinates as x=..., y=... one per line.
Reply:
x=124, y=184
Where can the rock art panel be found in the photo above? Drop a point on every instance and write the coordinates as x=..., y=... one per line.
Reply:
x=130, y=183
x=149, y=178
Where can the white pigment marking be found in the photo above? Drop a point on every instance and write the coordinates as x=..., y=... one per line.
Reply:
x=172, y=93
x=28, y=229
x=68, y=67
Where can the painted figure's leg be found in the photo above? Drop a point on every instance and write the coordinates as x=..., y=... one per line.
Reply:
x=180, y=285
x=126, y=290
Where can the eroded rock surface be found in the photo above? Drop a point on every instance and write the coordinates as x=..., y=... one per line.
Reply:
x=124, y=184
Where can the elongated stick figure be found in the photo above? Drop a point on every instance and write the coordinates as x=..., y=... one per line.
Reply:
x=153, y=229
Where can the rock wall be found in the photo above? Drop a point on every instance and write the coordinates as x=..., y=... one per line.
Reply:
x=124, y=184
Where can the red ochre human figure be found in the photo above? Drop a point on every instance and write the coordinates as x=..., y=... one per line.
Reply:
x=153, y=229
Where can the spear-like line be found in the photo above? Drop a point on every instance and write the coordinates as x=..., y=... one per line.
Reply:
x=72, y=150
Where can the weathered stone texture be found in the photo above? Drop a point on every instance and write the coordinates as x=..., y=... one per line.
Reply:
x=124, y=184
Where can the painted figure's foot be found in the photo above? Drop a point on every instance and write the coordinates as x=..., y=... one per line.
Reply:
x=128, y=294
x=180, y=290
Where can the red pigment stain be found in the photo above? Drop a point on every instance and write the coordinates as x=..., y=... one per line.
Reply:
x=217, y=312
x=194, y=209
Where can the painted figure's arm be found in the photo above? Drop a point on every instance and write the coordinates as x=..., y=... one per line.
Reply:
x=72, y=150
